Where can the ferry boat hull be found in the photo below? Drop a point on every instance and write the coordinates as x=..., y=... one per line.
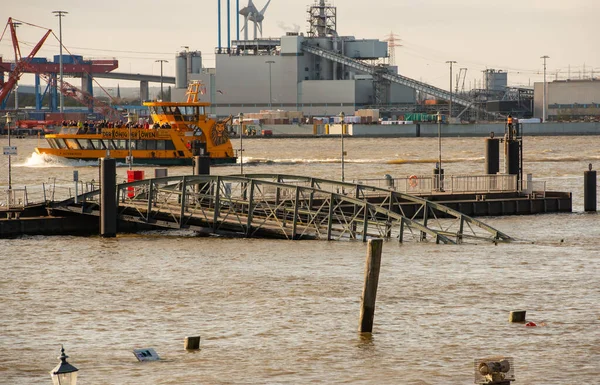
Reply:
x=179, y=131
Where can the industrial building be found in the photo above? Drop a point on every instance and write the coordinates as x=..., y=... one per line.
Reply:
x=569, y=100
x=317, y=72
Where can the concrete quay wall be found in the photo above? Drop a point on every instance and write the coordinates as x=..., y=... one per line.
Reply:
x=430, y=130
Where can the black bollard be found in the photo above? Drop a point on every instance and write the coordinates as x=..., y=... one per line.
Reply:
x=589, y=190
x=108, y=198
x=492, y=156
x=418, y=130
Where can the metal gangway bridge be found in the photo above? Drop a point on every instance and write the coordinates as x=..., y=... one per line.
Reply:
x=286, y=207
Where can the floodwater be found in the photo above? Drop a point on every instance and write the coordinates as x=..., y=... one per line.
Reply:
x=286, y=312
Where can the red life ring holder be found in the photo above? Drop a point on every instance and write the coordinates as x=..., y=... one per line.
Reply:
x=413, y=181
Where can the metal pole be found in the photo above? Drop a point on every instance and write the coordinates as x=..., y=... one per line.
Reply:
x=60, y=15
x=269, y=62
x=162, y=96
x=9, y=164
x=450, y=104
x=544, y=108
x=342, y=116
x=439, y=122
x=16, y=25
x=241, y=117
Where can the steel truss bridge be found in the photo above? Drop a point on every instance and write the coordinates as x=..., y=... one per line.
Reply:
x=286, y=207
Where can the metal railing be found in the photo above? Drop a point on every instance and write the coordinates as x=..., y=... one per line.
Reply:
x=449, y=184
x=50, y=191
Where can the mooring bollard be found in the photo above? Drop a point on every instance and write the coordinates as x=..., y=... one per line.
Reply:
x=192, y=343
x=517, y=316
x=108, y=198
x=589, y=190
x=367, y=303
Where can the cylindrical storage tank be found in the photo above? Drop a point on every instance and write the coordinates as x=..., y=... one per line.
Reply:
x=492, y=156
x=512, y=157
x=196, y=62
x=181, y=70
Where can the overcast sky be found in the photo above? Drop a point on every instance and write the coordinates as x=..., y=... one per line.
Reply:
x=509, y=35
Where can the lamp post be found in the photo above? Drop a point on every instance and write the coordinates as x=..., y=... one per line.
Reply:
x=269, y=62
x=64, y=373
x=162, y=96
x=342, y=116
x=16, y=25
x=450, y=104
x=544, y=108
x=8, y=121
x=60, y=15
x=439, y=169
x=241, y=118
x=129, y=124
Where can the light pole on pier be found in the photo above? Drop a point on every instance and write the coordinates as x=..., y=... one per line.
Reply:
x=269, y=62
x=8, y=121
x=450, y=104
x=544, y=107
x=241, y=119
x=16, y=25
x=161, y=61
x=60, y=15
x=342, y=116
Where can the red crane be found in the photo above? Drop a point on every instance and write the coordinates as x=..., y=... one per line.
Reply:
x=21, y=63
x=24, y=65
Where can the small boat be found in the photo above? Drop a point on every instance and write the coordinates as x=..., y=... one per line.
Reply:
x=179, y=131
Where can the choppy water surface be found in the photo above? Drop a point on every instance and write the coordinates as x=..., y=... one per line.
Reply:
x=287, y=312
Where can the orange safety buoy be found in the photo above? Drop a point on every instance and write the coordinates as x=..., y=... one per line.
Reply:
x=413, y=181
x=530, y=324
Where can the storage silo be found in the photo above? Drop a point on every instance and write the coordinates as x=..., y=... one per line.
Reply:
x=181, y=70
x=196, y=62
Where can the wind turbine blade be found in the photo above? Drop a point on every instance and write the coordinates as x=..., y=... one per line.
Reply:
x=260, y=28
x=262, y=12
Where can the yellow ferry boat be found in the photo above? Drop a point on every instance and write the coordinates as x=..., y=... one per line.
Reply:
x=178, y=132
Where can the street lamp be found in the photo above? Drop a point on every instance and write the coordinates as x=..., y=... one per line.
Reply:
x=8, y=121
x=450, y=105
x=60, y=15
x=342, y=116
x=64, y=373
x=438, y=168
x=241, y=118
x=544, y=108
x=129, y=125
x=269, y=62
x=16, y=25
x=162, y=96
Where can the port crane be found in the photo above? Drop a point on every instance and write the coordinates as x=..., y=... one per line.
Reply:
x=24, y=64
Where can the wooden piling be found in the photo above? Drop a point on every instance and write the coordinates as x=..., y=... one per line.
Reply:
x=192, y=343
x=367, y=303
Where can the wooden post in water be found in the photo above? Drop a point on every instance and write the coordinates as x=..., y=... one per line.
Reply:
x=367, y=303
x=589, y=190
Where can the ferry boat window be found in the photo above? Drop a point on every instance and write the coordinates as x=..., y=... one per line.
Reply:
x=72, y=144
x=151, y=145
x=86, y=144
x=160, y=144
x=98, y=144
x=190, y=113
x=110, y=144
x=139, y=145
x=61, y=143
x=169, y=145
x=52, y=143
x=120, y=144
